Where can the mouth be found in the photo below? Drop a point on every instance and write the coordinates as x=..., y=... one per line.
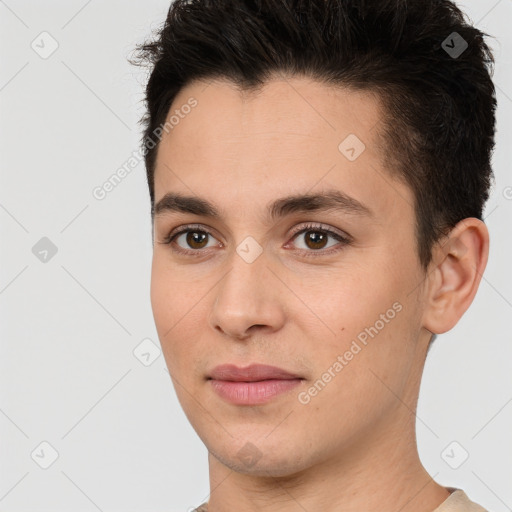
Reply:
x=252, y=385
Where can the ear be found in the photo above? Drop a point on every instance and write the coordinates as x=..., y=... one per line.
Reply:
x=459, y=260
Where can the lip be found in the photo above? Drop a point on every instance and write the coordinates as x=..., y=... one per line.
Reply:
x=251, y=373
x=252, y=385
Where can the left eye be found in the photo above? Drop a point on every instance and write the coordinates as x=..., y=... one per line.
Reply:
x=317, y=239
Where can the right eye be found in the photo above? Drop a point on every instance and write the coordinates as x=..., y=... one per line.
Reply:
x=192, y=240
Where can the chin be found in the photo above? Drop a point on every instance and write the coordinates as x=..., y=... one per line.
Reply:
x=263, y=461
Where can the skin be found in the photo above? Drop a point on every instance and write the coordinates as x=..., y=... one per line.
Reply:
x=353, y=446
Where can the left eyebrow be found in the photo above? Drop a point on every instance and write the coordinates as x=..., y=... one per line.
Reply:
x=331, y=200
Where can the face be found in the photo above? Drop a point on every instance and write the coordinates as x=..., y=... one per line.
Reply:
x=331, y=295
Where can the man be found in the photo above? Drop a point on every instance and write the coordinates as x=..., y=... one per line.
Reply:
x=317, y=172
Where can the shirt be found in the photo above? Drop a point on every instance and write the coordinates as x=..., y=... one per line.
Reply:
x=458, y=501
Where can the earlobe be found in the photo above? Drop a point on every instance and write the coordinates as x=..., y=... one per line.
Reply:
x=459, y=261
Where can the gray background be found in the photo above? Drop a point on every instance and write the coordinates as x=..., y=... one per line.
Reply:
x=70, y=324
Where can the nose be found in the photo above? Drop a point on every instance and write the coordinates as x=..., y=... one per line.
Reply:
x=247, y=299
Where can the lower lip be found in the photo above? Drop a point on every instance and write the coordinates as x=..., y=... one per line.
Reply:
x=252, y=393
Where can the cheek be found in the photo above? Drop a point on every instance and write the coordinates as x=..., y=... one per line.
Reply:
x=169, y=306
x=170, y=291
x=159, y=294
x=344, y=303
x=357, y=382
x=371, y=323
x=177, y=312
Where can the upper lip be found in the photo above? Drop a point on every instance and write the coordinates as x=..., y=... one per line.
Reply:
x=251, y=373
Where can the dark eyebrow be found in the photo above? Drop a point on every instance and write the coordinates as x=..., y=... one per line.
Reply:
x=331, y=200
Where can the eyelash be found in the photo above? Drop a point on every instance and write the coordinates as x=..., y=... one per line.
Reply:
x=345, y=240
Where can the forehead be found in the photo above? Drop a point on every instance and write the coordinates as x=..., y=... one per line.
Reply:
x=291, y=106
x=290, y=136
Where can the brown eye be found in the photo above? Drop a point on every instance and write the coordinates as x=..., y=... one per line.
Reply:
x=315, y=239
x=190, y=240
x=195, y=239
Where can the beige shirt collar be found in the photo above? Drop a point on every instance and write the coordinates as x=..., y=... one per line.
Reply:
x=458, y=501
